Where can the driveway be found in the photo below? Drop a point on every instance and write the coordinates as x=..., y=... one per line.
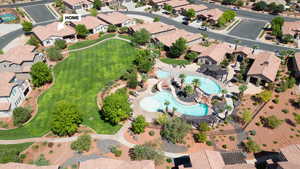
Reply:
x=39, y=13
x=249, y=29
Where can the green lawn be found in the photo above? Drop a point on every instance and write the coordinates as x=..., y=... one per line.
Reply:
x=14, y=150
x=90, y=42
x=175, y=61
x=78, y=79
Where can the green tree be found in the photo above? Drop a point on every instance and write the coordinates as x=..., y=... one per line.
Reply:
x=188, y=90
x=182, y=79
x=54, y=54
x=112, y=28
x=190, y=13
x=178, y=48
x=139, y=124
x=141, y=37
x=203, y=127
x=41, y=161
x=246, y=116
x=132, y=80
x=200, y=137
x=83, y=143
x=242, y=89
x=21, y=115
x=287, y=38
x=81, y=30
x=264, y=96
x=175, y=130
x=66, y=119
x=10, y=155
x=27, y=26
x=272, y=122
x=167, y=103
x=58, y=3
x=93, y=12
x=148, y=151
x=162, y=119
x=116, y=107
x=228, y=2
x=40, y=74
x=60, y=44
x=297, y=118
x=168, y=8
x=276, y=26
x=191, y=56
x=252, y=147
x=97, y=4
x=260, y=6
x=144, y=61
x=156, y=19
x=196, y=83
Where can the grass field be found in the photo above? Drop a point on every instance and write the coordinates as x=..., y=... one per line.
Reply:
x=78, y=79
x=175, y=61
x=9, y=157
x=90, y=42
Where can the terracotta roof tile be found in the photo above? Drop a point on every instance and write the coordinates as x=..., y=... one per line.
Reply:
x=197, y=8
x=171, y=37
x=75, y=2
x=207, y=159
x=213, y=14
x=25, y=166
x=291, y=27
x=46, y=31
x=297, y=60
x=291, y=153
x=114, y=17
x=5, y=85
x=240, y=166
x=288, y=165
x=176, y=3
x=153, y=28
x=90, y=22
x=19, y=54
x=4, y=105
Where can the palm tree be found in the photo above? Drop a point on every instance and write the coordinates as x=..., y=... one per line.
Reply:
x=196, y=83
x=254, y=47
x=188, y=90
x=167, y=103
x=174, y=110
x=182, y=79
x=236, y=43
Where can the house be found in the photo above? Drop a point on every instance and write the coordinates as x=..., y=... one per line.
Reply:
x=47, y=34
x=26, y=166
x=264, y=68
x=93, y=24
x=155, y=28
x=78, y=6
x=211, y=15
x=291, y=157
x=12, y=93
x=157, y=3
x=242, y=52
x=196, y=8
x=296, y=65
x=277, y=2
x=116, y=18
x=107, y=163
x=175, y=3
x=214, y=54
x=169, y=38
x=19, y=60
x=291, y=28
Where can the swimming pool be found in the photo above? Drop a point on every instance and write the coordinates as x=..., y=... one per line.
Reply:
x=162, y=74
x=207, y=85
x=8, y=17
x=156, y=103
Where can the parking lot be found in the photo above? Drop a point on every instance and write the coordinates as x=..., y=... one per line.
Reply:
x=249, y=29
x=39, y=13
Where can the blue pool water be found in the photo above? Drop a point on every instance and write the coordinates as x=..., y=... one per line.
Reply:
x=162, y=74
x=7, y=17
x=207, y=85
x=156, y=103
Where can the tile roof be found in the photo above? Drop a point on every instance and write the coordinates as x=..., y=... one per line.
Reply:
x=46, y=31
x=19, y=54
x=106, y=163
x=266, y=64
x=158, y=1
x=176, y=3
x=197, y=8
x=297, y=60
x=4, y=105
x=291, y=27
x=153, y=28
x=5, y=85
x=288, y=165
x=114, y=17
x=75, y=2
x=25, y=166
x=90, y=22
x=240, y=166
x=170, y=37
x=216, y=51
x=213, y=14
x=207, y=159
x=291, y=153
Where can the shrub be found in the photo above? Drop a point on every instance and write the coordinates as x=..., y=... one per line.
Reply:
x=151, y=133
x=231, y=138
x=272, y=122
x=178, y=48
x=27, y=26
x=224, y=146
x=144, y=61
x=200, y=137
x=246, y=116
x=162, y=119
x=21, y=115
x=117, y=152
x=285, y=111
x=81, y=31
x=132, y=80
x=252, y=132
x=123, y=29
x=169, y=160
x=203, y=126
x=33, y=41
x=264, y=96
x=191, y=56
x=175, y=130
x=141, y=37
x=116, y=107
x=139, y=124
x=60, y=44
x=252, y=147
x=54, y=54
x=40, y=74
x=276, y=100
x=112, y=28
x=156, y=19
x=41, y=161
x=297, y=118
x=209, y=143
x=83, y=143
x=66, y=119
x=148, y=151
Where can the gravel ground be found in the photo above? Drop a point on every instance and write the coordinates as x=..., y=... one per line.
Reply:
x=105, y=145
x=80, y=158
x=173, y=148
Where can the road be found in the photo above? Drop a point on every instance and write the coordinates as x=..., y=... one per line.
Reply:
x=36, y=2
x=213, y=35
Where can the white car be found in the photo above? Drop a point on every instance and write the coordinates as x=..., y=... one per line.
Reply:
x=204, y=28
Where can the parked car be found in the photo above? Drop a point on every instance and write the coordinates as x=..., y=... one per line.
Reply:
x=185, y=22
x=204, y=28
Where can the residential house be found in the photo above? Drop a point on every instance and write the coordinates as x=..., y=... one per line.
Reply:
x=111, y=2
x=211, y=15
x=12, y=165
x=214, y=54
x=117, y=18
x=12, y=93
x=242, y=52
x=290, y=157
x=196, y=8
x=264, y=68
x=107, y=163
x=175, y=3
x=155, y=28
x=291, y=28
x=19, y=60
x=296, y=65
x=78, y=6
x=169, y=38
x=47, y=34
x=157, y=3
x=277, y=2
x=93, y=24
